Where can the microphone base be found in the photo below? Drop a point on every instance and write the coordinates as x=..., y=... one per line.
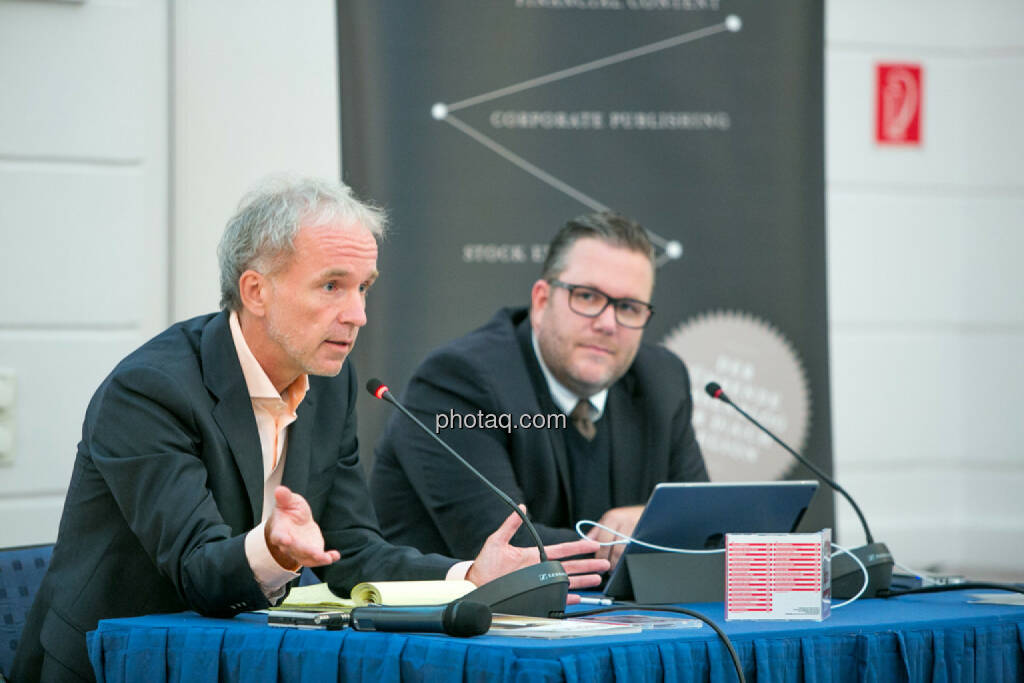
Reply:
x=539, y=590
x=847, y=578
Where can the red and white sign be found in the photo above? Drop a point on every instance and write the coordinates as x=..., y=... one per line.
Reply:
x=899, y=96
x=778, y=576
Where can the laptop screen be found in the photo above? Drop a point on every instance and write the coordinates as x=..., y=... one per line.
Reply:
x=696, y=516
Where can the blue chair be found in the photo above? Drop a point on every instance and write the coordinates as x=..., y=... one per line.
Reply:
x=21, y=572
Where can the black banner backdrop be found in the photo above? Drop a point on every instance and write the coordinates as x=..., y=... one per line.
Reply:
x=483, y=125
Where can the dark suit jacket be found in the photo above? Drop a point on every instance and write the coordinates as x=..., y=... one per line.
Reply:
x=167, y=481
x=424, y=498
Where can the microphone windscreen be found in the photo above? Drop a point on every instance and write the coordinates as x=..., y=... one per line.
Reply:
x=372, y=385
x=712, y=388
x=466, y=618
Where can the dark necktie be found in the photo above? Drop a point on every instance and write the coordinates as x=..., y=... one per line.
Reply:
x=582, y=421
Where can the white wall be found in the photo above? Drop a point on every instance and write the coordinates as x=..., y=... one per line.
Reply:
x=926, y=310
x=83, y=225
x=256, y=93
x=925, y=286
x=113, y=192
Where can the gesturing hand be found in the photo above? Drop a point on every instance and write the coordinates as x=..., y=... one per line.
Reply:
x=293, y=537
x=498, y=558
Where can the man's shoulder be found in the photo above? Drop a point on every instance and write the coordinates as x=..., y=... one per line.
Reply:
x=166, y=370
x=493, y=341
x=656, y=366
x=482, y=366
x=179, y=343
x=658, y=356
x=174, y=353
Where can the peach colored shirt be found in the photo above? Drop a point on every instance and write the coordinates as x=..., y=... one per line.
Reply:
x=274, y=412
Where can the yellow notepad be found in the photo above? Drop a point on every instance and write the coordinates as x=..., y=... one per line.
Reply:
x=379, y=593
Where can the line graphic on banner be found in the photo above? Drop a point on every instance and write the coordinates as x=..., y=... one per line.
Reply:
x=522, y=163
x=672, y=249
x=731, y=23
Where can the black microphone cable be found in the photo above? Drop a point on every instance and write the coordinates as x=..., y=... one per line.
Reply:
x=967, y=585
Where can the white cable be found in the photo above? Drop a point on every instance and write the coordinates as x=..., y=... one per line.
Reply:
x=629, y=539
x=863, y=569
x=916, y=573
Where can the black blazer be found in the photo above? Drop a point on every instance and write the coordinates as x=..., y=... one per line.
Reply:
x=424, y=498
x=167, y=481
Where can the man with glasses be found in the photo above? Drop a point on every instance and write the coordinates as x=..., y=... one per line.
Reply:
x=575, y=352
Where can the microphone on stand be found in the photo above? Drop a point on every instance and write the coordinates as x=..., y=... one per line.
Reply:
x=539, y=590
x=847, y=577
x=462, y=618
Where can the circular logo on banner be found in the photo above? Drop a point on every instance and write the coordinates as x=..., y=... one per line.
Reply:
x=760, y=371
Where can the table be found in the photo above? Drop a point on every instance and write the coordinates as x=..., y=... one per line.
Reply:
x=934, y=637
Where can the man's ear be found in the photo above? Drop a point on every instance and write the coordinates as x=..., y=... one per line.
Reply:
x=539, y=296
x=253, y=289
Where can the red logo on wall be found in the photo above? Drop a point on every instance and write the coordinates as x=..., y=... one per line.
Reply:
x=900, y=96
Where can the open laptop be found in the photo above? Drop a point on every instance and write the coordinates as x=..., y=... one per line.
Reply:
x=697, y=516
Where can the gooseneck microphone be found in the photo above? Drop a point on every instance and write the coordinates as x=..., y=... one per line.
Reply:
x=715, y=391
x=846, y=575
x=539, y=590
x=380, y=390
x=461, y=618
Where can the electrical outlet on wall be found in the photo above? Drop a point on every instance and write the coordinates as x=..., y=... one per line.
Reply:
x=7, y=400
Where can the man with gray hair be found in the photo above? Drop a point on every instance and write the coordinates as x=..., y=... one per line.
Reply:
x=220, y=458
x=575, y=353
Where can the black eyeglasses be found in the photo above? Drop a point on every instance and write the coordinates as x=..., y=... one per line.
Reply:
x=590, y=303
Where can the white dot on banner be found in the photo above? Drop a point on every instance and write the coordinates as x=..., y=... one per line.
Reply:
x=439, y=111
x=733, y=23
x=674, y=249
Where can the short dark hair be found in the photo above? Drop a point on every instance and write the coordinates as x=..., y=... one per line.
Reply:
x=607, y=226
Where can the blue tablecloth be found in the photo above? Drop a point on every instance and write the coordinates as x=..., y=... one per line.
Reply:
x=937, y=637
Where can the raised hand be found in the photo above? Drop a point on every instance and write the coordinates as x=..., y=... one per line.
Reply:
x=293, y=537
